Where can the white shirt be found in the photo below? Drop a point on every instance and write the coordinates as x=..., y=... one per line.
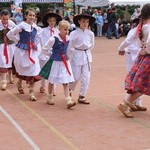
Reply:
x=45, y=35
x=11, y=25
x=79, y=41
x=132, y=48
x=131, y=39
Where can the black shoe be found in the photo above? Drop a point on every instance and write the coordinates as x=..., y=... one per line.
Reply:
x=117, y=37
x=109, y=37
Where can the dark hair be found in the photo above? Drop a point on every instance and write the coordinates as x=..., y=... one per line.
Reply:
x=145, y=14
x=57, y=11
x=4, y=12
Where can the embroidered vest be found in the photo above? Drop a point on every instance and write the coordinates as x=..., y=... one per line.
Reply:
x=58, y=49
x=26, y=38
x=3, y=34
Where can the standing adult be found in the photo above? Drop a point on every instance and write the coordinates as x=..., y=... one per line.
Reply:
x=112, y=19
x=94, y=26
x=99, y=23
x=67, y=15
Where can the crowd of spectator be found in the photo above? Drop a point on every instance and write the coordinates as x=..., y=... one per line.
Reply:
x=109, y=24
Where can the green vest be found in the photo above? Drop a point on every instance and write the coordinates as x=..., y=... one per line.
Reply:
x=3, y=34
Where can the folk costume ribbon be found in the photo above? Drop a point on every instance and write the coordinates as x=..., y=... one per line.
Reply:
x=139, y=29
x=31, y=47
x=51, y=31
x=64, y=57
x=5, y=52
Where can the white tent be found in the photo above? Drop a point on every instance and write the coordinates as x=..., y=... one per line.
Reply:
x=92, y=3
x=33, y=1
x=99, y=3
x=129, y=2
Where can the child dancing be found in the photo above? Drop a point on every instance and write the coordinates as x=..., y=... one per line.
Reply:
x=26, y=36
x=58, y=69
x=7, y=48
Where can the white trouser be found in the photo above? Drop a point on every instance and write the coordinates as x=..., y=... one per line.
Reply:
x=99, y=30
x=81, y=73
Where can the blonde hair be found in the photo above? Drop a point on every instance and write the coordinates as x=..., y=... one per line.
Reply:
x=63, y=24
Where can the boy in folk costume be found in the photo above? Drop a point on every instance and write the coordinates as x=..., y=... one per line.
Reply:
x=26, y=61
x=50, y=20
x=6, y=48
x=80, y=47
x=58, y=69
x=131, y=53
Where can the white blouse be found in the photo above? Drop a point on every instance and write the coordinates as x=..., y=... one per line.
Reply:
x=45, y=35
x=14, y=33
x=133, y=36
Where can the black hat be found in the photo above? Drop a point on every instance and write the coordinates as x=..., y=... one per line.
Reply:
x=78, y=17
x=51, y=14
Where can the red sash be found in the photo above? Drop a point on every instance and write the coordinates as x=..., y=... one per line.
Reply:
x=31, y=47
x=51, y=31
x=64, y=57
x=5, y=52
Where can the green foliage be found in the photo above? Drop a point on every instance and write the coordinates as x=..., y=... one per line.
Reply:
x=43, y=7
x=4, y=6
x=124, y=12
x=120, y=13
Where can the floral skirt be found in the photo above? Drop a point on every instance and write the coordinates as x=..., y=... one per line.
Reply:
x=138, y=79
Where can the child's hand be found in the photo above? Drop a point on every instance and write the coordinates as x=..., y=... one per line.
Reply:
x=143, y=52
x=121, y=52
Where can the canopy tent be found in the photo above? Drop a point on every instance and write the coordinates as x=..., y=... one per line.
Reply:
x=35, y=1
x=129, y=2
x=92, y=3
x=99, y=3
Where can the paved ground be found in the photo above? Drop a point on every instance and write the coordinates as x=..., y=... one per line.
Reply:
x=26, y=125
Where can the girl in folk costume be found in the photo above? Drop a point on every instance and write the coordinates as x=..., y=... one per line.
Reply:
x=137, y=81
x=80, y=46
x=50, y=20
x=131, y=53
x=6, y=48
x=58, y=68
x=26, y=35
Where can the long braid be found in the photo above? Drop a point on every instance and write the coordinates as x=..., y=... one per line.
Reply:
x=141, y=32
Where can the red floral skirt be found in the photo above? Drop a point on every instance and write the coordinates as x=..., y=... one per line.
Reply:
x=138, y=79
